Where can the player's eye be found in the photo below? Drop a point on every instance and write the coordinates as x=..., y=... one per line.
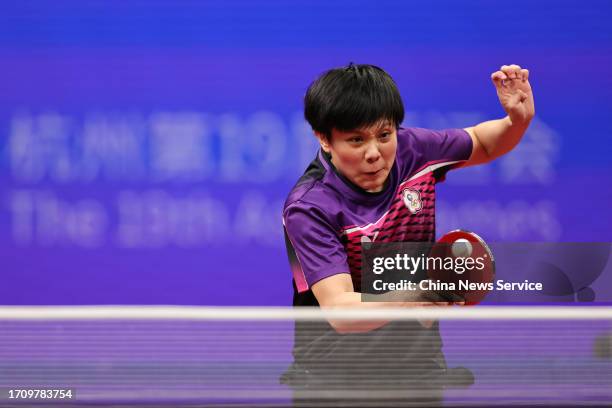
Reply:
x=355, y=139
x=385, y=135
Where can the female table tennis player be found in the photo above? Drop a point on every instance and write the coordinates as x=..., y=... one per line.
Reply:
x=374, y=181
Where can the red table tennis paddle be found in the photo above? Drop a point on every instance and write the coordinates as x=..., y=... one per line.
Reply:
x=477, y=274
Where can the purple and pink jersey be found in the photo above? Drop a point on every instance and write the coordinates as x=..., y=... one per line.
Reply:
x=326, y=217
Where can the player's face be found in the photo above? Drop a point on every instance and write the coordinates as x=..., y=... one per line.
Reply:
x=364, y=156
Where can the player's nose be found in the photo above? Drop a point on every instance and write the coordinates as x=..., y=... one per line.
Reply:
x=372, y=153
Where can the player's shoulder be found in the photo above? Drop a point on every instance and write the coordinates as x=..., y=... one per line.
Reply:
x=417, y=134
x=413, y=134
x=313, y=193
x=310, y=194
x=310, y=189
x=410, y=145
x=412, y=138
x=430, y=141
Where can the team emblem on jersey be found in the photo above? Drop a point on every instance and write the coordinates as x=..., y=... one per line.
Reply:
x=412, y=200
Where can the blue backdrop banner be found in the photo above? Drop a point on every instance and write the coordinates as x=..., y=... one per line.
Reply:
x=146, y=148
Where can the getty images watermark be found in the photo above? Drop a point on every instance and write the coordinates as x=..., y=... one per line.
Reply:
x=468, y=271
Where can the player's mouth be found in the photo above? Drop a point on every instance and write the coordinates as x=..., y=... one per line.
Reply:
x=374, y=173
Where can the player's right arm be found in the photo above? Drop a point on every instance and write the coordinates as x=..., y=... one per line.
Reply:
x=337, y=292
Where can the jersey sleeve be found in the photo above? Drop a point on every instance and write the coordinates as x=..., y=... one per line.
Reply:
x=314, y=248
x=442, y=149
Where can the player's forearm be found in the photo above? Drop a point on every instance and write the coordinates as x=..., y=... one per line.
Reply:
x=500, y=136
x=355, y=301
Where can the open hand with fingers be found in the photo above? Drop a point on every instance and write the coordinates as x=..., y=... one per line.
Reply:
x=514, y=92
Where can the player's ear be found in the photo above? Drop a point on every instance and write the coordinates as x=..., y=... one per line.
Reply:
x=323, y=141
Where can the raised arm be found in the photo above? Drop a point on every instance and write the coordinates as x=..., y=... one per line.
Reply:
x=495, y=138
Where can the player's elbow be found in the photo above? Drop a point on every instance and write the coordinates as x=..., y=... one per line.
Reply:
x=339, y=326
x=344, y=325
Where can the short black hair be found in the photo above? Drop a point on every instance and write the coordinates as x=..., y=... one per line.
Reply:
x=352, y=97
